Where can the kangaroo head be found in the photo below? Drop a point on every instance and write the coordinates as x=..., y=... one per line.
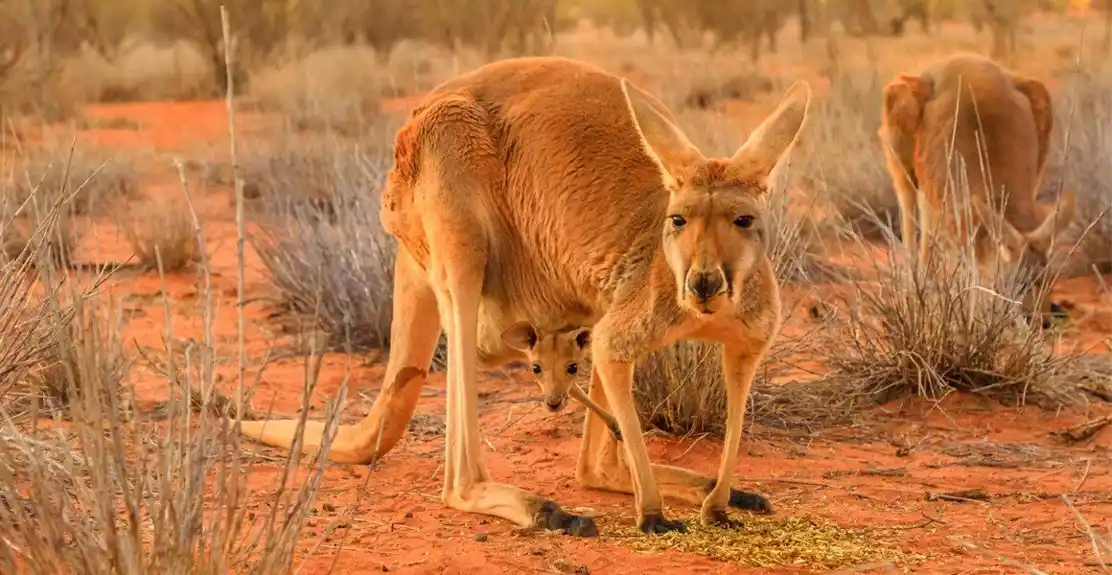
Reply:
x=556, y=358
x=714, y=229
x=1028, y=253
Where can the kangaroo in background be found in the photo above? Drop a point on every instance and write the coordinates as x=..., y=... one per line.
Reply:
x=998, y=123
x=533, y=186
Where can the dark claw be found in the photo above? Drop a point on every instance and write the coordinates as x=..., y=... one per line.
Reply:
x=556, y=519
x=719, y=518
x=749, y=502
x=616, y=432
x=656, y=523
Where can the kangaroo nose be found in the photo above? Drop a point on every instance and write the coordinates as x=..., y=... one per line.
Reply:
x=555, y=404
x=705, y=284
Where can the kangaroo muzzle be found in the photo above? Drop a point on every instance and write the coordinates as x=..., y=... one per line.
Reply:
x=706, y=284
x=555, y=402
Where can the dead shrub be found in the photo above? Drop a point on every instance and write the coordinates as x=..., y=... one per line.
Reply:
x=334, y=89
x=145, y=71
x=680, y=389
x=320, y=238
x=62, y=376
x=162, y=230
x=295, y=169
x=46, y=387
x=91, y=178
x=19, y=233
x=943, y=325
x=25, y=332
x=105, y=492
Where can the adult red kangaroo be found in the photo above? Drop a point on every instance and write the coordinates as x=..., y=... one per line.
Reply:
x=547, y=190
x=999, y=123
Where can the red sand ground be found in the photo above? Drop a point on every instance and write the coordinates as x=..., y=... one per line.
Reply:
x=396, y=522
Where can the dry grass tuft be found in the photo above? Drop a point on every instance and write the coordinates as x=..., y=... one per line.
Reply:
x=36, y=247
x=333, y=251
x=56, y=171
x=320, y=238
x=157, y=230
x=19, y=234
x=101, y=493
x=933, y=328
x=25, y=334
x=61, y=376
x=679, y=389
x=335, y=89
x=798, y=542
x=106, y=495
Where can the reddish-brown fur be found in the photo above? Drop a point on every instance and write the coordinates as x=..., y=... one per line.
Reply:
x=547, y=190
x=970, y=109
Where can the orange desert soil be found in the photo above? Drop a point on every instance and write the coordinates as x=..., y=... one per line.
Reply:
x=393, y=515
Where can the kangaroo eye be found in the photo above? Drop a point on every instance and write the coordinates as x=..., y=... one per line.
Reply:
x=744, y=222
x=536, y=369
x=678, y=221
x=572, y=369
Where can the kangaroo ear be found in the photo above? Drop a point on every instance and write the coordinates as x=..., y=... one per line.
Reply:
x=903, y=102
x=768, y=144
x=521, y=336
x=1042, y=111
x=1058, y=217
x=583, y=338
x=1008, y=239
x=662, y=140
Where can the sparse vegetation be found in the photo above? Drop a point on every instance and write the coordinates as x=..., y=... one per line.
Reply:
x=329, y=257
x=162, y=236
x=845, y=127
x=87, y=181
x=104, y=491
x=935, y=328
x=1084, y=162
x=115, y=453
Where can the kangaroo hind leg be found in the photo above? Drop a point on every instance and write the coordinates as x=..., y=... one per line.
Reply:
x=414, y=331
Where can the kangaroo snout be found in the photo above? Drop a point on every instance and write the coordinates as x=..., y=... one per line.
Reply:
x=706, y=284
x=555, y=402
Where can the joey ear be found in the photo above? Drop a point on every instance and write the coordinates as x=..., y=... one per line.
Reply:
x=1008, y=239
x=775, y=136
x=1058, y=217
x=583, y=338
x=521, y=336
x=660, y=138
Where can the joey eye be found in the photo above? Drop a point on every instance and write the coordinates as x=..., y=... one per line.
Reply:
x=536, y=369
x=744, y=222
x=678, y=221
x=572, y=369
